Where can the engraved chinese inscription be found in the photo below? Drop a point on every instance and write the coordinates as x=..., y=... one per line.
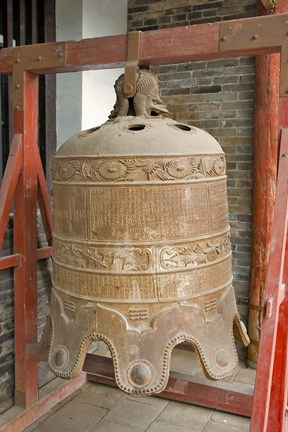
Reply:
x=148, y=214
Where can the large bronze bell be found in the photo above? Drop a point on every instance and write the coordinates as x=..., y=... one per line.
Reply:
x=141, y=247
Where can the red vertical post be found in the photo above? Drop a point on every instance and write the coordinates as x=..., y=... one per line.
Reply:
x=266, y=139
x=269, y=403
x=278, y=401
x=283, y=113
x=25, y=243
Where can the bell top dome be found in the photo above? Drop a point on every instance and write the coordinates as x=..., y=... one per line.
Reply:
x=129, y=136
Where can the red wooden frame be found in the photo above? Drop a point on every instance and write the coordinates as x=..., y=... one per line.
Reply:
x=24, y=184
x=271, y=378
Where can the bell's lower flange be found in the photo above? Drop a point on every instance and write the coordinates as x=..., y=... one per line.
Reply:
x=142, y=359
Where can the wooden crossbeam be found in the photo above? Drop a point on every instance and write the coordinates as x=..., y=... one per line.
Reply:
x=233, y=398
x=9, y=183
x=173, y=45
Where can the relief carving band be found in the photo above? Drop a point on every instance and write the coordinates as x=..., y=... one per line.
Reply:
x=137, y=170
x=194, y=256
x=88, y=257
x=123, y=260
x=141, y=246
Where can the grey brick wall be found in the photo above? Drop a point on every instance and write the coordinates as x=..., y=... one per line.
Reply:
x=217, y=96
x=153, y=14
x=7, y=317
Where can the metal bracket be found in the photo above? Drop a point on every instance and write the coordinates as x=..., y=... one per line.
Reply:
x=130, y=76
x=36, y=59
x=259, y=33
x=270, y=301
x=269, y=307
x=269, y=5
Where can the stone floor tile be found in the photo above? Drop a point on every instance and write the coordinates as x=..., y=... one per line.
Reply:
x=226, y=418
x=245, y=376
x=133, y=414
x=159, y=426
x=72, y=417
x=212, y=426
x=107, y=426
x=44, y=427
x=178, y=414
x=12, y=413
x=184, y=361
x=150, y=400
x=3, y=421
x=99, y=395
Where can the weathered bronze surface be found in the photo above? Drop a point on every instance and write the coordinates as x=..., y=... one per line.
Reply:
x=141, y=250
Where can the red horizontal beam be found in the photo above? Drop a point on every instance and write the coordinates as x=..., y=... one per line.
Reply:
x=37, y=352
x=180, y=44
x=222, y=396
x=10, y=261
x=100, y=53
x=173, y=45
x=44, y=252
x=226, y=397
x=15, y=260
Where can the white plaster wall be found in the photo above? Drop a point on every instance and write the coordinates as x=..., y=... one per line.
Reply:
x=85, y=99
x=69, y=85
x=101, y=18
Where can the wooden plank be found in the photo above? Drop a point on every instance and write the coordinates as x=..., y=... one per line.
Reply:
x=279, y=390
x=44, y=405
x=173, y=45
x=37, y=352
x=96, y=53
x=10, y=261
x=283, y=113
x=278, y=400
x=234, y=398
x=266, y=138
x=257, y=32
x=44, y=253
x=15, y=260
x=272, y=297
x=9, y=183
x=180, y=44
x=270, y=116
x=25, y=243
